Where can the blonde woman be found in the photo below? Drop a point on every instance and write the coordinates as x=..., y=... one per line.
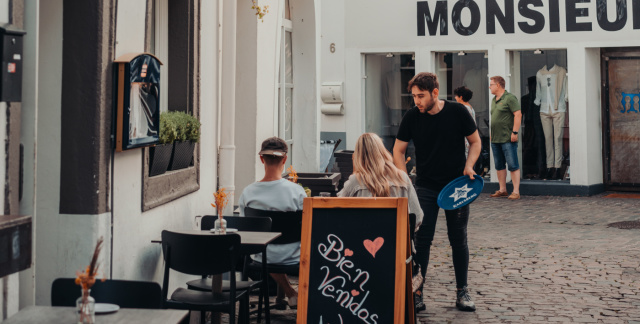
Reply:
x=375, y=175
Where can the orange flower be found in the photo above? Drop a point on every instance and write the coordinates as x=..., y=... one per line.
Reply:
x=221, y=198
x=87, y=278
x=293, y=176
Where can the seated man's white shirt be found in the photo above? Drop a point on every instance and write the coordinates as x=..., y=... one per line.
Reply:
x=278, y=195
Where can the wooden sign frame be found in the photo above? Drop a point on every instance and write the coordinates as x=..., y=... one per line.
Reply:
x=403, y=291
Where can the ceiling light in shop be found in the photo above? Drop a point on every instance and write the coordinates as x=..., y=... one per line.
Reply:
x=389, y=54
x=461, y=53
x=538, y=51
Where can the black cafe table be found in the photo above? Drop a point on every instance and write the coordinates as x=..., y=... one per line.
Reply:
x=249, y=243
x=66, y=315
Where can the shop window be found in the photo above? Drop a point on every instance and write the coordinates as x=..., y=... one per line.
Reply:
x=468, y=69
x=540, y=79
x=173, y=35
x=387, y=98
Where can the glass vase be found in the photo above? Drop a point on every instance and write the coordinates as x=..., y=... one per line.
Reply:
x=220, y=225
x=86, y=308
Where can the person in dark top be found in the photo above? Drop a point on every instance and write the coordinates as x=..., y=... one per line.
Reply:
x=438, y=129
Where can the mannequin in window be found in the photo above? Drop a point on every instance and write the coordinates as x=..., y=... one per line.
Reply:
x=533, y=151
x=551, y=95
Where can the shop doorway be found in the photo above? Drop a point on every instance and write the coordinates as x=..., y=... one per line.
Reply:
x=387, y=98
x=621, y=120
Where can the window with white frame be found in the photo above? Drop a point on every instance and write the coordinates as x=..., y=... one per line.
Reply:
x=285, y=81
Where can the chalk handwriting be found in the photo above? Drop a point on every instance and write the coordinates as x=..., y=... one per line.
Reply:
x=335, y=287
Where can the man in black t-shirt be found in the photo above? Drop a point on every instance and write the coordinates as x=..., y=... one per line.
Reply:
x=438, y=129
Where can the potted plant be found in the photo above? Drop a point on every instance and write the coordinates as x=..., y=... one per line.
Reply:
x=160, y=155
x=187, y=135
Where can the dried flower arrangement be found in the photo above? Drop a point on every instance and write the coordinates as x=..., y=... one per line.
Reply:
x=86, y=279
x=293, y=175
x=221, y=198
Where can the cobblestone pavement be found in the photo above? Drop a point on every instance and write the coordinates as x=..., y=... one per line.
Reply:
x=538, y=260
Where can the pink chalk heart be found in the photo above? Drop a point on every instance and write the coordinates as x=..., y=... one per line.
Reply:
x=374, y=246
x=348, y=252
x=355, y=292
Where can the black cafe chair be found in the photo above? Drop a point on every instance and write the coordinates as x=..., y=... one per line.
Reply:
x=124, y=293
x=247, y=224
x=287, y=223
x=203, y=255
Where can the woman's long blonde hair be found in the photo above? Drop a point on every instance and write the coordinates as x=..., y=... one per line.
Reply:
x=373, y=166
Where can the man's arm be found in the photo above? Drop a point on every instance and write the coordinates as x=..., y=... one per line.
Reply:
x=475, y=147
x=399, y=150
x=517, y=119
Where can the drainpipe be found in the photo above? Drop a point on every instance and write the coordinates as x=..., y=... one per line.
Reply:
x=227, y=148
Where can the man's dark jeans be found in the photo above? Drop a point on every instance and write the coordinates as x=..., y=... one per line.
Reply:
x=457, y=220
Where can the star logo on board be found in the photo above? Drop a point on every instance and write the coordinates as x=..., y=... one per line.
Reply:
x=460, y=193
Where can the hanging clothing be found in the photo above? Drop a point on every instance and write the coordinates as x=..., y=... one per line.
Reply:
x=551, y=89
x=553, y=127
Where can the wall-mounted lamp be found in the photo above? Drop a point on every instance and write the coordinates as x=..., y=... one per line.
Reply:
x=389, y=54
x=462, y=53
x=538, y=51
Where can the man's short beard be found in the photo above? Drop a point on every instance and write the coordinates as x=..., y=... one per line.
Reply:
x=433, y=104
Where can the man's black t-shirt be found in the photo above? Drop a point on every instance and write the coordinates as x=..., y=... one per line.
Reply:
x=439, y=142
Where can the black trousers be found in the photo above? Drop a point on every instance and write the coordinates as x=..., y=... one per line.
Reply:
x=457, y=220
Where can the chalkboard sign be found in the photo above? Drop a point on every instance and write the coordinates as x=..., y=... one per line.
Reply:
x=353, y=263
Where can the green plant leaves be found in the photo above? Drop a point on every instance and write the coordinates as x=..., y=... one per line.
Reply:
x=178, y=126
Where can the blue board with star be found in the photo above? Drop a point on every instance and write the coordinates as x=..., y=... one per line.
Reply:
x=460, y=192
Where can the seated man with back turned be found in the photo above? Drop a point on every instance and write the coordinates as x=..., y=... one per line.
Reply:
x=277, y=194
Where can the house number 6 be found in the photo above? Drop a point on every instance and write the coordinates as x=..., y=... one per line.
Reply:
x=332, y=48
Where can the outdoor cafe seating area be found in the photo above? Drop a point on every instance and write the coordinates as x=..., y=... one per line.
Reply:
x=139, y=301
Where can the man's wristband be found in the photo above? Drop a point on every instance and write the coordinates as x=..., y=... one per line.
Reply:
x=515, y=133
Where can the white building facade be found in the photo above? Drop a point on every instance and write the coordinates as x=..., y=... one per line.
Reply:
x=593, y=45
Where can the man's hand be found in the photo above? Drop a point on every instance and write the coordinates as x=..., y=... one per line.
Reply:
x=514, y=138
x=469, y=171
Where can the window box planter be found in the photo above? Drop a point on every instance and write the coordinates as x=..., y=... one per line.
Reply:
x=182, y=155
x=159, y=159
x=320, y=182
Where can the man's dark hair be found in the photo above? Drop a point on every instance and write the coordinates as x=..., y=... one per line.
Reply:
x=425, y=81
x=463, y=92
x=272, y=159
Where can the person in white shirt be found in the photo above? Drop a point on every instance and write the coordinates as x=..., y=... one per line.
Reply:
x=277, y=194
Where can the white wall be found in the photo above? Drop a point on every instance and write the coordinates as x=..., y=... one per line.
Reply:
x=48, y=157
x=28, y=137
x=257, y=101
x=306, y=74
x=333, y=64
x=134, y=256
x=64, y=243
